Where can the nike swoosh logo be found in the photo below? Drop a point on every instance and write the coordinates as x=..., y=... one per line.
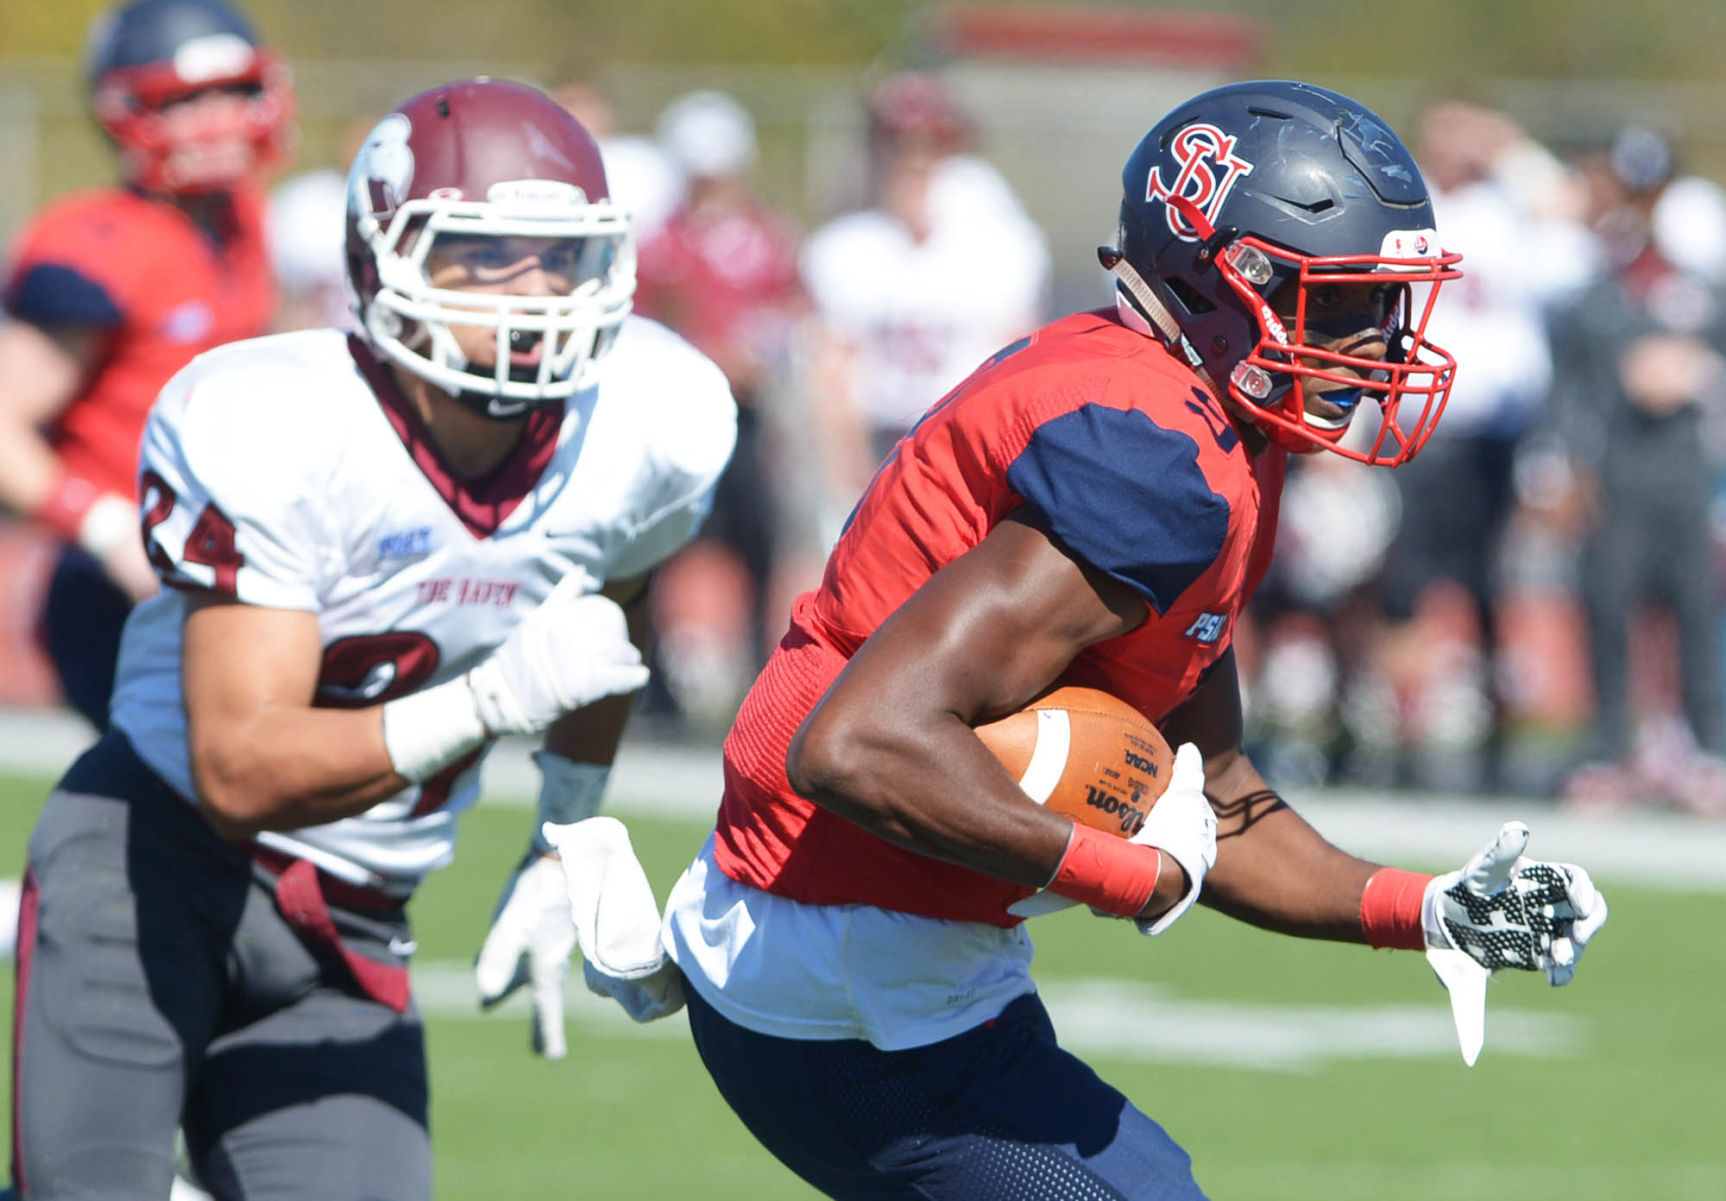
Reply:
x=403, y=946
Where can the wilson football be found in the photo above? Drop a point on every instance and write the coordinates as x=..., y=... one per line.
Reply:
x=1086, y=754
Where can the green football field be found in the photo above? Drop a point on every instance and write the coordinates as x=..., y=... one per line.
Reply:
x=1292, y=1071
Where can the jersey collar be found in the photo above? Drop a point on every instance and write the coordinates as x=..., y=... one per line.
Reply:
x=483, y=504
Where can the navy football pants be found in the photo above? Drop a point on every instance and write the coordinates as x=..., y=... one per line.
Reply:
x=82, y=616
x=998, y=1112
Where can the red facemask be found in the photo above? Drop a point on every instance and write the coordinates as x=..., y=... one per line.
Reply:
x=1411, y=383
x=191, y=156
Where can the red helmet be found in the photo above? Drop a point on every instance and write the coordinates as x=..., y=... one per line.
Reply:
x=484, y=158
x=915, y=105
x=147, y=55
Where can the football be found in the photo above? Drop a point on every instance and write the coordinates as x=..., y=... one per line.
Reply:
x=1086, y=754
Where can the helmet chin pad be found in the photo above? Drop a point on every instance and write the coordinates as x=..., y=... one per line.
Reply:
x=494, y=408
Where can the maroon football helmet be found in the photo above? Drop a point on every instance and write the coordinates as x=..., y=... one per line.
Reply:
x=481, y=158
x=915, y=106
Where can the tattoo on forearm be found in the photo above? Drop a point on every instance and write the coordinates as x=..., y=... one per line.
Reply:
x=1235, y=817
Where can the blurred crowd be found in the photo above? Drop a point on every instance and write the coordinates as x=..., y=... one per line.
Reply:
x=1531, y=605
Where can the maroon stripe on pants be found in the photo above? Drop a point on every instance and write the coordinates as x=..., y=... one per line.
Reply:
x=303, y=905
x=21, y=990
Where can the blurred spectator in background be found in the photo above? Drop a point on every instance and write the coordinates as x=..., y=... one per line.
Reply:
x=111, y=291
x=1690, y=226
x=306, y=231
x=1638, y=361
x=1319, y=709
x=1514, y=212
x=644, y=181
x=307, y=228
x=914, y=292
x=722, y=271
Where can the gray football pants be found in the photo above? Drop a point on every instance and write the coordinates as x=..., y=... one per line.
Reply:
x=159, y=986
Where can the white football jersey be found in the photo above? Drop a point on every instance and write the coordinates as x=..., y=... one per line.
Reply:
x=289, y=472
x=921, y=315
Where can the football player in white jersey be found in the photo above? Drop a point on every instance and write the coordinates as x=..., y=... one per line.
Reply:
x=381, y=552
x=942, y=269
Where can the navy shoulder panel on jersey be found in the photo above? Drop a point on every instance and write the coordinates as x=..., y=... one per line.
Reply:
x=1125, y=495
x=50, y=294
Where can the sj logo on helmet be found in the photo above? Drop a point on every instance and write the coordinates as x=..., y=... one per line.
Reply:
x=1207, y=171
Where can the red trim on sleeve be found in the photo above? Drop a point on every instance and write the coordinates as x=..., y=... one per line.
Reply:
x=1107, y=872
x=64, y=508
x=1390, y=909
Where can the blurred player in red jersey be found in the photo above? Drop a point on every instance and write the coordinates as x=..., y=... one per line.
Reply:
x=113, y=290
x=722, y=271
x=1093, y=506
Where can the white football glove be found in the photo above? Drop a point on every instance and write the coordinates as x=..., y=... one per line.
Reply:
x=531, y=939
x=1500, y=911
x=616, y=918
x=1182, y=825
x=571, y=651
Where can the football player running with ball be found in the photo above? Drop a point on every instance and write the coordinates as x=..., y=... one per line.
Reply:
x=381, y=552
x=1093, y=506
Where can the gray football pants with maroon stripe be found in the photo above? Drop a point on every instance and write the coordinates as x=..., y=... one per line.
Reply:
x=160, y=987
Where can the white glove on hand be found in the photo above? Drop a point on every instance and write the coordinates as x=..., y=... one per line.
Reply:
x=571, y=651
x=616, y=918
x=1182, y=825
x=531, y=939
x=1502, y=910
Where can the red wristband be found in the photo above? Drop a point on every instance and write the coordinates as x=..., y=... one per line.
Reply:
x=1107, y=872
x=63, y=509
x=1391, y=909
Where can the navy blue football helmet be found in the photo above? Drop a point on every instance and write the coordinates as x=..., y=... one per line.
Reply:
x=1240, y=203
x=144, y=56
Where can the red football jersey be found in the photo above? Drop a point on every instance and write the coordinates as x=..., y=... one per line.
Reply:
x=172, y=293
x=1104, y=439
